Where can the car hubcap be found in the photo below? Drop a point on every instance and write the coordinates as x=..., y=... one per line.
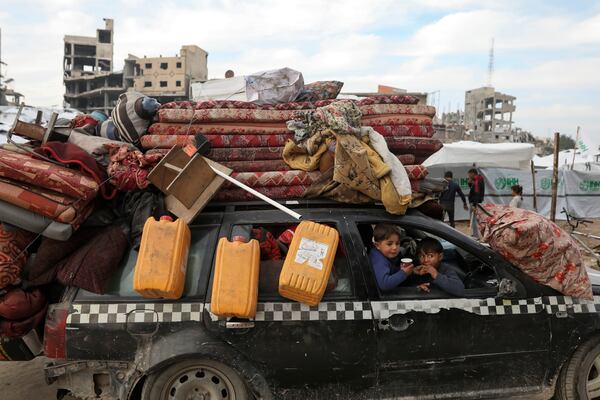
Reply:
x=200, y=383
x=593, y=383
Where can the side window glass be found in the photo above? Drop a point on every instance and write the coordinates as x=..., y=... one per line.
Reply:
x=478, y=278
x=274, y=240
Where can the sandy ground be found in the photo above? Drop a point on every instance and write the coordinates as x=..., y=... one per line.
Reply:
x=25, y=380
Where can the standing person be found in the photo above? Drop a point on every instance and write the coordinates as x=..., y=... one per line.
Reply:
x=476, y=194
x=517, y=193
x=447, y=197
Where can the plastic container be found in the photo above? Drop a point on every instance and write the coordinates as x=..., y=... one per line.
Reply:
x=235, y=283
x=308, y=264
x=162, y=259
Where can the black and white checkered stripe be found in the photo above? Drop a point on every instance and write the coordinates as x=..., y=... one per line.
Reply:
x=134, y=313
x=327, y=311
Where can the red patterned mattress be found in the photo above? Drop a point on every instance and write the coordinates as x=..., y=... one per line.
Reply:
x=413, y=145
x=56, y=206
x=229, y=141
x=241, y=115
x=276, y=193
x=209, y=104
x=395, y=119
x=23, y=168
x=405, y=130
x=246, y=128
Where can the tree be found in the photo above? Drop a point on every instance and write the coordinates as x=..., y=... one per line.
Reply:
x=566, y=142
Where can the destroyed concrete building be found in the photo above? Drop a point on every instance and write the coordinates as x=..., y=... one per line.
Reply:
x=488, y=115
x=92, y=85
x=169, y=78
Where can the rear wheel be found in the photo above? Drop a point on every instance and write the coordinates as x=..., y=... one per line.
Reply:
x=580, y=377
x=195, y=380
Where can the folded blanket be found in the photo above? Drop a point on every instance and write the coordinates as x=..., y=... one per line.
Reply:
x=23, y=168
x=405, y=130
x=229, y=141
x=245, y=128
x=245, y=154
x=33, y=222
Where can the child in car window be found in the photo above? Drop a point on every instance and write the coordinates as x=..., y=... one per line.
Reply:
x=385, y=257
x=431, y=253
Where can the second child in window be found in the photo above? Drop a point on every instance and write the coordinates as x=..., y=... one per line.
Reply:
x=385, y=257
x=431, y=253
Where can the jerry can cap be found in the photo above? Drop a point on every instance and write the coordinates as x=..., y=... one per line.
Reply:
x=166, y=218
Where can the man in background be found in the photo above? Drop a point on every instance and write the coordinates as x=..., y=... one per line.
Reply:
x=476, y=194
x=449, y=195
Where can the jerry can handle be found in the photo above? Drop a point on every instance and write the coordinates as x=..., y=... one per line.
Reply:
x=239, y=324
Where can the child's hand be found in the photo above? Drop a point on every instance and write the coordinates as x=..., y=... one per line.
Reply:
x=426, y=269
x=424, y=287
x=408, y=270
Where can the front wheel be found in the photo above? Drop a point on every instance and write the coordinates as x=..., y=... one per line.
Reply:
x=580, y=376
x=195, y=380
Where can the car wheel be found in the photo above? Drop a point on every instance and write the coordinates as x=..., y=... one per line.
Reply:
x=580, y=376
x=195, y=379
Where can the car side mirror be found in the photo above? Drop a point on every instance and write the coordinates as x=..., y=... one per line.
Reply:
x=507, y=288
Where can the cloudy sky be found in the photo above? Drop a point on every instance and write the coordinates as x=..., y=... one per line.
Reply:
x=547, y=53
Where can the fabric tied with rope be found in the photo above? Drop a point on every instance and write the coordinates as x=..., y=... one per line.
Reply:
x=129, y=169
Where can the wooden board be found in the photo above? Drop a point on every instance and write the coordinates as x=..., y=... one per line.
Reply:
x=188, y=214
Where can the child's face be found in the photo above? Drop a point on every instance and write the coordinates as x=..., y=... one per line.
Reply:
x=430, y=258
x=389, y=247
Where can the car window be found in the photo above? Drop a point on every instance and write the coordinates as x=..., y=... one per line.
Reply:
x=274, y=240
x=479, y=278
x=202, y=246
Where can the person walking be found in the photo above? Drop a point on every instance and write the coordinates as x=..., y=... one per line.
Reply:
x=449, y=195
x=476, y=194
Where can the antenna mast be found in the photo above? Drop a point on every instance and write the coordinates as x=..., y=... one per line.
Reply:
x=491, y=64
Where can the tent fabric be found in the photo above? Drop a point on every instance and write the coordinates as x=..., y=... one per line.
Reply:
x=502, y=155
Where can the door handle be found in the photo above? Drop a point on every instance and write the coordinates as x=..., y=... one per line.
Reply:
x=239, y=324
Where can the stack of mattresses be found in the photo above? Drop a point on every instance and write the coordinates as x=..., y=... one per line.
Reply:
x=250, y=139
x=43, y=197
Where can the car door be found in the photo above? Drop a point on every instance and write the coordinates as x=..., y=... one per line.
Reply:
x=432, y=344
x=295, y=343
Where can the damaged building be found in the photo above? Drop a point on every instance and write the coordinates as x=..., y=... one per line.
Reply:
x=92, y=85
x=488, y=115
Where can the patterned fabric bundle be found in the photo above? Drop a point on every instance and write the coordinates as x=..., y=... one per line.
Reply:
x=12, y=255
x=170, y=128
x=129, y=169
x=537, y=246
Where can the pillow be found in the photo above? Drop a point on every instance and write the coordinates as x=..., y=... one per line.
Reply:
x=320, y=90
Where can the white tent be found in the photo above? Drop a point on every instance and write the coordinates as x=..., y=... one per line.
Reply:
x=583, y=161
x=501, y=155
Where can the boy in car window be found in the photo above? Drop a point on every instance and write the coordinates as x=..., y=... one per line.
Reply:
x=441, y=275
x=385, y=257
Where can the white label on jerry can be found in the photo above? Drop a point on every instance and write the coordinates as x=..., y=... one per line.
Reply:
x=311, y=252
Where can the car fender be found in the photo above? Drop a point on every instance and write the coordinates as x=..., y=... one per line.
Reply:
x=194, y=343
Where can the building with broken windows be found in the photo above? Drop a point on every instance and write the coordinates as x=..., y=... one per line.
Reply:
x=92, y=85
x=488, y=115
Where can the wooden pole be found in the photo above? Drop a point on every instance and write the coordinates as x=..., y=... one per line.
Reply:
x=555, y=177
x=533, y=184
x=575, y=149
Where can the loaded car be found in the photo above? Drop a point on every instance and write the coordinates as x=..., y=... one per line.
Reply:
x=507, y=337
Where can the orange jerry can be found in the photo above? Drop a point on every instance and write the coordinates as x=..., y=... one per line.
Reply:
x=308, y=264
x=162, y=259
x=235, y=283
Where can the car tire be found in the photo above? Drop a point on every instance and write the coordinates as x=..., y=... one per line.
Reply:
x=195, y=379
x=579, y=378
